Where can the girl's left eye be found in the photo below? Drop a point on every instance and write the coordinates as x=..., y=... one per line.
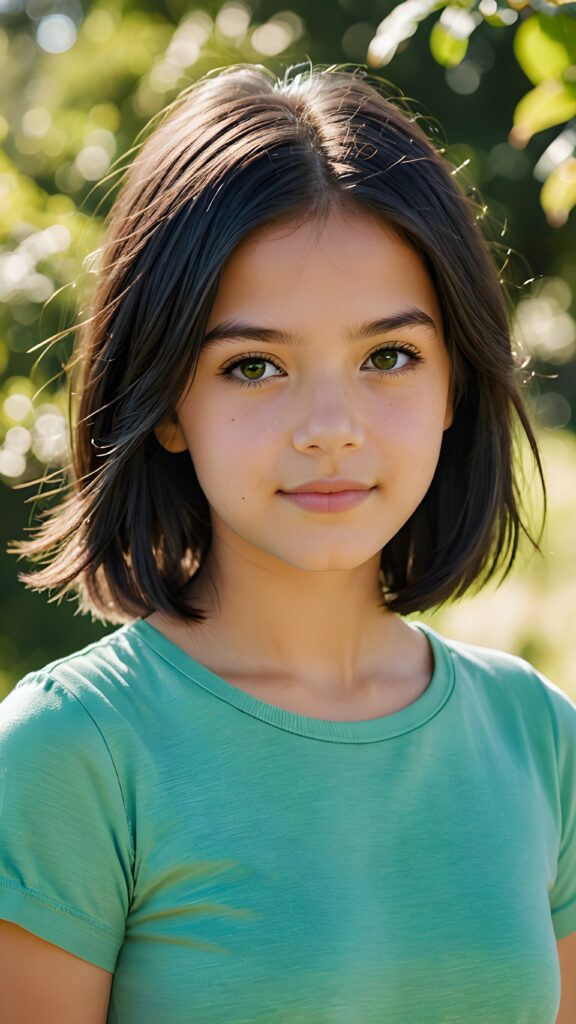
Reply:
x=397, y=359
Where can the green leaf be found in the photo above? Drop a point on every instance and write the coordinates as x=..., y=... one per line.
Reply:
x=445, y=48
x=558, y=195
x=545, y=47
x=550, y=103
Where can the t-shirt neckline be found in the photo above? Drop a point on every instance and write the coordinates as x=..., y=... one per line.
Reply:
x=406, y=720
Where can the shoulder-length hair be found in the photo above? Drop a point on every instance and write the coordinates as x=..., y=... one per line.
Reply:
x=237, y=150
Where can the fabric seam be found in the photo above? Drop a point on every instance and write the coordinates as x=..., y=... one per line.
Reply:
x=51, y=904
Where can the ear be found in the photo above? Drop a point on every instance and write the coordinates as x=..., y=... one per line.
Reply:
x=170, y=436
x=449, y=415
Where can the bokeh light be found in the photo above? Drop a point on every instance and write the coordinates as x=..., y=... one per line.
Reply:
x=56, y=33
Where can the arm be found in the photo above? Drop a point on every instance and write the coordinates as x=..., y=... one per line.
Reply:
x=65, y=842
x=567, y=957
x=41, y=982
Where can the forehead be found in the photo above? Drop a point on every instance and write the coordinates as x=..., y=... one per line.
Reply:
x=354, y=255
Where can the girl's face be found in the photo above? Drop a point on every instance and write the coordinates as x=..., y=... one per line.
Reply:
x=263, y=415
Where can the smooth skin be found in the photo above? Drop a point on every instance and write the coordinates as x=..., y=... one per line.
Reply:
x=567, y=956
x=40, y=983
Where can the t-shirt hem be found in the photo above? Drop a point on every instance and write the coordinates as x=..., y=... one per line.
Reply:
x=63, y=926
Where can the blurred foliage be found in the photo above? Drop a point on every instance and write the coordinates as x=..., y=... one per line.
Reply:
x=545, y=48
x=82, y=80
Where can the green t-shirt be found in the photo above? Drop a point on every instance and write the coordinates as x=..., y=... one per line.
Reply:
x=236, y=863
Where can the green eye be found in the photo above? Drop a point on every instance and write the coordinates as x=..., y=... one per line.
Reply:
x=389, y=358
x=248, y=366
x=393, y=359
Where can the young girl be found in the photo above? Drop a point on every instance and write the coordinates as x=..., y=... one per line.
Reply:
x=265, y=796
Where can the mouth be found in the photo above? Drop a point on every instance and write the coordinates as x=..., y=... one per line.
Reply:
x=328, y=501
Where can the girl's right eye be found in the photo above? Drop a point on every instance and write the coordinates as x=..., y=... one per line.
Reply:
x=251, y=359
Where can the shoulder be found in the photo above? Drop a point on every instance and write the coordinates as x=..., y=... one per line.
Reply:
x=100, y=664
x=510, y=682
x=487, y=663
x=74, y=706
x=68, y=836
x=63, y=745
x=93, y=678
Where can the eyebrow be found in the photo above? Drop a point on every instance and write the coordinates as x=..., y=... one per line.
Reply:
x=233, y=330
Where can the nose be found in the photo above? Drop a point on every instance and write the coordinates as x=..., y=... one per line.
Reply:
x=329, y=418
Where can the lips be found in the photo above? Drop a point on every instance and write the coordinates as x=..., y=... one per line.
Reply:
x=328, y=501
x=328, y=487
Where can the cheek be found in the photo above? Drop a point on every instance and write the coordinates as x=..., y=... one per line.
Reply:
x=228, y=449
x=409, y=437
x=412, y=423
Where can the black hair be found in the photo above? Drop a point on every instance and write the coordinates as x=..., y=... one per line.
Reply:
x=238, y=150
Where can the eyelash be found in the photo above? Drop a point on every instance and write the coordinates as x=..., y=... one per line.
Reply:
x=408, y=350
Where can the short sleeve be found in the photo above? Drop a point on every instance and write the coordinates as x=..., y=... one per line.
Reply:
x=65, y=845
x=563, y=891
